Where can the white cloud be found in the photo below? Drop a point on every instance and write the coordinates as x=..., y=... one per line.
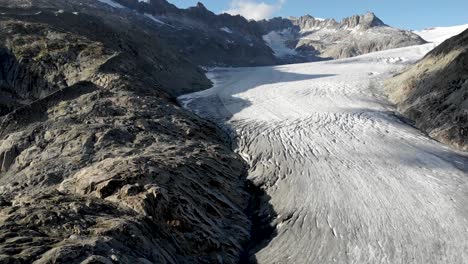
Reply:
x=252, y=9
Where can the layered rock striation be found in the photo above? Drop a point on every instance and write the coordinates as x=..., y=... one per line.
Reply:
x=98, y=163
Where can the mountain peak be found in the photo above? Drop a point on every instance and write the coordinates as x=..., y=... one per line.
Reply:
x=372, y=19
x=201, y=6
x=365, y=21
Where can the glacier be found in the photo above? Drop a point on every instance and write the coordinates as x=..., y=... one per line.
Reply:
x=349, y=179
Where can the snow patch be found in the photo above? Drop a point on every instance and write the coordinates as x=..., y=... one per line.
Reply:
x=276, y=40
x=112, y=3
x=154, y=19
x=226, y=29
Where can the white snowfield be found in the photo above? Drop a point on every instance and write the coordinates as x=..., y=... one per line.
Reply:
x=350, y=182
x=440, y=34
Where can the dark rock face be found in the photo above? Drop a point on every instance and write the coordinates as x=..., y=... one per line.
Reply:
x=98, y=164
x=434, y=92
x=277, y=24
x=206, y=38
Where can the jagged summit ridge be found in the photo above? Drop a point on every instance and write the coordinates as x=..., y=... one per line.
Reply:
x=365, y=21
x=311, y=37
x=308, y=22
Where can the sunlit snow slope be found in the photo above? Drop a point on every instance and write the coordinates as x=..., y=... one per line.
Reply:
x=440, y=34
x=350, y=181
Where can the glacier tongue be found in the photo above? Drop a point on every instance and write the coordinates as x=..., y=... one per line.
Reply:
x=349, y=181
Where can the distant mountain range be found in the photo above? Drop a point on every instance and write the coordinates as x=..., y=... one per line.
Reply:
x=216, y=40
x=311, y=38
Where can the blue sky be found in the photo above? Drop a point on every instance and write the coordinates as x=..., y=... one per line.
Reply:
x=408, y=14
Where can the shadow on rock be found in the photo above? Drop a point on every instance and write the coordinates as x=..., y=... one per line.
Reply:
x=261, y=214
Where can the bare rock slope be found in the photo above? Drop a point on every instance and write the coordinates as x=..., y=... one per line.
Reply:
x=98, y=164
x=434, y=92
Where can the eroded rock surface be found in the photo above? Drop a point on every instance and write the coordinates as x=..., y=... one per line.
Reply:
x=98, y=163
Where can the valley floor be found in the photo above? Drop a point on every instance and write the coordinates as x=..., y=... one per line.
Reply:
x=350, y=181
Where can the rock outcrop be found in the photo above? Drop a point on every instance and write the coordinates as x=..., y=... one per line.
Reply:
x=98, y=162
x=434, y=92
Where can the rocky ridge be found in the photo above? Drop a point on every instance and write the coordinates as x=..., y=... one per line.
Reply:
x=98, y=162
x=310, y=38
x=434, y=92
